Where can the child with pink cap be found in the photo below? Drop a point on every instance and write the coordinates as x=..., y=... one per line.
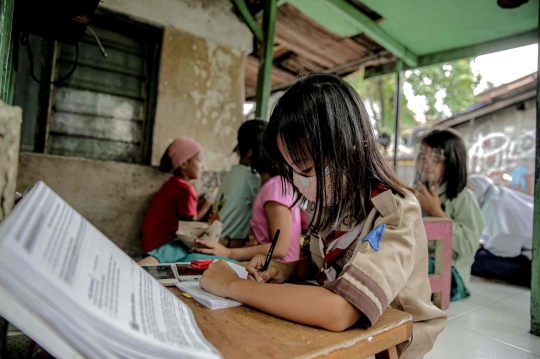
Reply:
x=175, y=201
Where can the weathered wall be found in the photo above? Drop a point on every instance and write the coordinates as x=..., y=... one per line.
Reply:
x=10, y=132
x=201, y=93
x=503, y=143
x=210, y=19
x=113, y=196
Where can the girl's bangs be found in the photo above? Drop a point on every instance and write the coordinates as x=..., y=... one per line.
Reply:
x=296, y=147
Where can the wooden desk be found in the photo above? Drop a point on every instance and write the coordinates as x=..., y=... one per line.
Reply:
x=244, y=332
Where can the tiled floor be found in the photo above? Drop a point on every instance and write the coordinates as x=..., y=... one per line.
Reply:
x=493, y=323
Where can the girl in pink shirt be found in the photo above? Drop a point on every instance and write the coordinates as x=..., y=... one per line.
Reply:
x=272, y=210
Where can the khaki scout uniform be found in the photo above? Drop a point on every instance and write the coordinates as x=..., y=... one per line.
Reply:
x=395, y=275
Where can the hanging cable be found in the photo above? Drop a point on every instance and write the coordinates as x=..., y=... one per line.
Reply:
x=105, y=55
x=25, y=41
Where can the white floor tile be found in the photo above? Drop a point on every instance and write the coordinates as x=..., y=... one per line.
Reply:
x=504, y=326
x=483, y=293
x=459, y=343
x=519, y=305
x=493, y=290
x=467, y=305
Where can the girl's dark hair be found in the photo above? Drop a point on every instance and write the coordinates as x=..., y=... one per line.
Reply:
x=261, y=163
x=455, y=163
x=165, y=164
x=322, y=118
x=250, y=136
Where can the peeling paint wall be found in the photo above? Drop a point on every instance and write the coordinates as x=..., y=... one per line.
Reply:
x=201, y=93
x=10, y=133
x=210, y=19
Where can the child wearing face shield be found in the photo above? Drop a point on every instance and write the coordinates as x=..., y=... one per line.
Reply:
x=441, y=180
x=368, y=247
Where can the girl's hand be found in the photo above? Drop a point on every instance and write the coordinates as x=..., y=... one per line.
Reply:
x=429, y=201
x=214, y=249
x=278, y=272
x=217, y=277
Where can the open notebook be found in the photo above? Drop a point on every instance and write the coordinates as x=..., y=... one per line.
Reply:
x=78, y=295
x=210, y=300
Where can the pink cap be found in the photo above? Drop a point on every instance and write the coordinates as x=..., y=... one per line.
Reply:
x=181, y=150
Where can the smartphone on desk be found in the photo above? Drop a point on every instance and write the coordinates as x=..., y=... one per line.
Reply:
x=164, y=273
x=185, y=272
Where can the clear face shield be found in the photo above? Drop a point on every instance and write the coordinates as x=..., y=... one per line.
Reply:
x=427, y=167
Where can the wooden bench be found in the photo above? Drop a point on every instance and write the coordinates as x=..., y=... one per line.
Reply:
x=244, y=332
x=440, y=230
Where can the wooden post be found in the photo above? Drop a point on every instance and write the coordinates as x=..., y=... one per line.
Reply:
x=397, y=108
x=535, y=280
x=264, y=82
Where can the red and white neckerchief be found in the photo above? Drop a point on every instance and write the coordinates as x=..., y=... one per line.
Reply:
x=342, y=241
x=331, y=253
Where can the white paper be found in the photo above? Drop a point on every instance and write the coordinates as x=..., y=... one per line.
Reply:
x=61, y=267
x=207, y=299
x=241, y=271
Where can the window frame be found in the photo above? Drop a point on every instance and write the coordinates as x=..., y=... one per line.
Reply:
x=111, y=21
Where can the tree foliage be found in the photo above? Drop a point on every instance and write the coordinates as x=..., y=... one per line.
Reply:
x=449, y=85
x=453, y=82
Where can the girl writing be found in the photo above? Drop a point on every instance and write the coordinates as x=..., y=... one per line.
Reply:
x=368, y=244
x=273, y=209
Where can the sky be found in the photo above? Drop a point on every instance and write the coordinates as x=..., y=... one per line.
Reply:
x=498, y=68
x=507, y=66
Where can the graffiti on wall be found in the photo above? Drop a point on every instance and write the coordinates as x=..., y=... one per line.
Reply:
x=507, y=157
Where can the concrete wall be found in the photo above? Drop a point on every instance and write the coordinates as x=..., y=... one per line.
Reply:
x=201, y=81
x=503, y=143
x=209, y=19
x=10, y=133
x=201, y=95
x=113, y=196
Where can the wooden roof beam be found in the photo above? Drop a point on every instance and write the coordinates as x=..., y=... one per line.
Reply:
x=322, y=10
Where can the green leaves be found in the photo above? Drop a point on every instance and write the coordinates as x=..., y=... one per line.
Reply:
x=446, y=88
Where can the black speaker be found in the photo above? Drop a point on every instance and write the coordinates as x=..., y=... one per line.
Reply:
x=60, y=20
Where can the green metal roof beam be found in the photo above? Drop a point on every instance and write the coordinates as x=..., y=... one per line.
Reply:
x=350, y=13
x=249, y=20
x=505, y=43
x=264, y=79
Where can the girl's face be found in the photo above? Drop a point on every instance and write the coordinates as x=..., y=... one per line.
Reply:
x=304, y=177
x=194, y=167
x=430, y=164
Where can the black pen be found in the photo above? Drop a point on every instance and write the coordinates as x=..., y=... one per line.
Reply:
x=270, y=251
